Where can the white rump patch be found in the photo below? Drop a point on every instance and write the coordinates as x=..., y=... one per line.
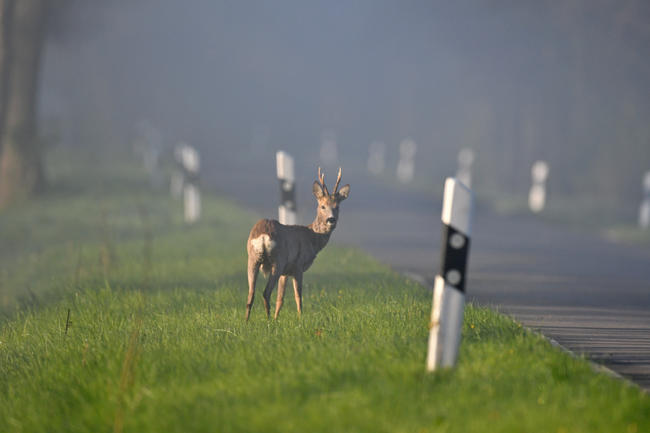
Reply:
x=263, y=243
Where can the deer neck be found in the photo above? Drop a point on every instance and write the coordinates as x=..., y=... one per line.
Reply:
x=322, y=233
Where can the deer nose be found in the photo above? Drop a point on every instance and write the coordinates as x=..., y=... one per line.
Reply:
x=331, y=220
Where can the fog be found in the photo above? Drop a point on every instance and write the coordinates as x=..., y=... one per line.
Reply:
x=566, y=82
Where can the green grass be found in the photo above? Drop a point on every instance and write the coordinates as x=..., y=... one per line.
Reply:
x=628, y=234
x=587, y=214
x=157, y=340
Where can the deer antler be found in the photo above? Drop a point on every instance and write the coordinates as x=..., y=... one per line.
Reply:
x=338, y=180
x=321, y=179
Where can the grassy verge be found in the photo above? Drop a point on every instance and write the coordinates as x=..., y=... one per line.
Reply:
x=157, y=341
x=628, y=234
x=585, y=214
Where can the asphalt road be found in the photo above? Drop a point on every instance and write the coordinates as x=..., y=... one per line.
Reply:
x=588, y=294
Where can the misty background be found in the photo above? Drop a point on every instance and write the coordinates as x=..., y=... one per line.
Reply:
x=516, y=81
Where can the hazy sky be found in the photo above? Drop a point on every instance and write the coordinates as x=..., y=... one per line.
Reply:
x=516, y=81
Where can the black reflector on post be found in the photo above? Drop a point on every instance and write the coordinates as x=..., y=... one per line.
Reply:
x=453, y=257
x=287, y=208
x=449, y=287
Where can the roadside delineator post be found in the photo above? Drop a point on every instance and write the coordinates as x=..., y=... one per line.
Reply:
x=644, y=209
x=191, y=195
x=537, y=194
x=449, y=287
x=406, y=164
x=465, y=161
x=376, y=157
x=287, y=208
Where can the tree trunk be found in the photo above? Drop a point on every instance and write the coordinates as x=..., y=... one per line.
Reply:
x=21, y=171
x=6, y=16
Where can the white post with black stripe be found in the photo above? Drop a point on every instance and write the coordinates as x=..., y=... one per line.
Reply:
x=191, y=194
x=287, y=209
x=537, y=194
x=406, y=164
x=449, y=287
x=644, y=209
x=465, y=161
x=376, y=157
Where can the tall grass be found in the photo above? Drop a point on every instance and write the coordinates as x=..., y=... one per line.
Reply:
x=156, y=340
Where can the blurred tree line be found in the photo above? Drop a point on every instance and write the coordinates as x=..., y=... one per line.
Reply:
x=516, y=81
x=22, y=32
x=567, y=82
x=26, y=26
x=576, y=94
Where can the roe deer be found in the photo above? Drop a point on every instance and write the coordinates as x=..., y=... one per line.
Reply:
x=284, y=251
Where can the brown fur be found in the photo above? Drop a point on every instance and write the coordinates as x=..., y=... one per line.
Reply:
x=283, y=251
x=263, y=227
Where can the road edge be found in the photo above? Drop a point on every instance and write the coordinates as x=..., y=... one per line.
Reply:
x=596, y=367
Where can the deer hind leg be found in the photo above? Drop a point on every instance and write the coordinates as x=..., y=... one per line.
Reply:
x=270, y=284
x=297, y=291
x=253, y=271
x=282, y=282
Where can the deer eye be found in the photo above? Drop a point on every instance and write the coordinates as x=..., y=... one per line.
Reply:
x=322, y=207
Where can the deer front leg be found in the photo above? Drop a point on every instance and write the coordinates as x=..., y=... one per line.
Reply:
x=282, y=282
x=270, y=284
x=253, y=271
x=297, y=291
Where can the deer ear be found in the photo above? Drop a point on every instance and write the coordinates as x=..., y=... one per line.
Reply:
x=317, y=190
x=343, y=192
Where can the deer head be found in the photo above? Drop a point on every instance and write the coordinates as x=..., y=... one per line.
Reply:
x=327, y=212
